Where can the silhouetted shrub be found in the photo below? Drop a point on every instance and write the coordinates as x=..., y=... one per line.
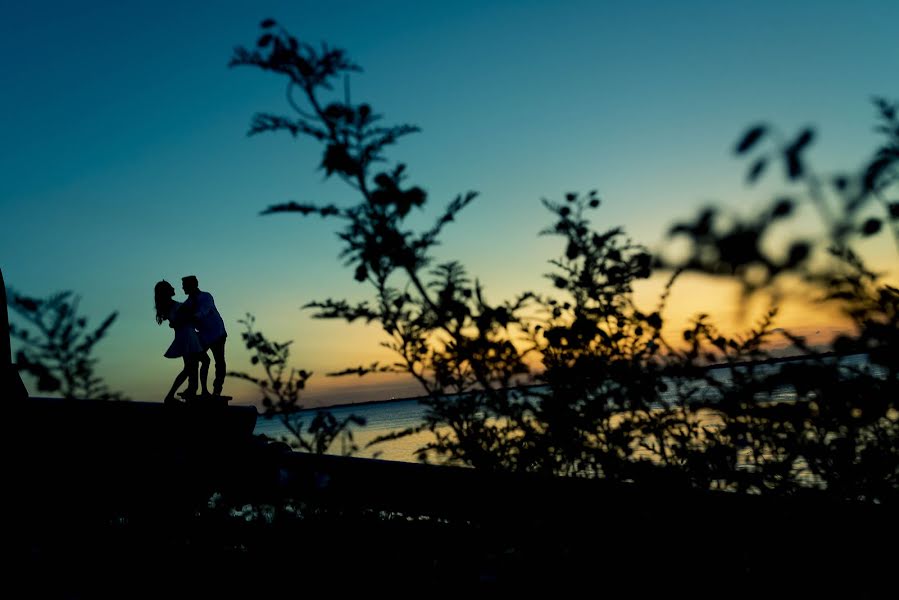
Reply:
x=614, y=398
x=55, y=346
x=840, y=432
x=281, y=386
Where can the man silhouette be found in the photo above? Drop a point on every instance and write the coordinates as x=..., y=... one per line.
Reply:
x=210, y=329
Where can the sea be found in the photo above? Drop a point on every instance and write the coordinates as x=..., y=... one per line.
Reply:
x=381, y=418
x=391, y=416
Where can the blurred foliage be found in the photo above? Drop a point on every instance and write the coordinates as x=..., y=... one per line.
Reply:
x=840, y=433
x=55, y=346
x=848, y=206
x=613, y=398
x=281, y=385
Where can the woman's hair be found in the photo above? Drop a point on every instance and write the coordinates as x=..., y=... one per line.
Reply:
x=162, y=296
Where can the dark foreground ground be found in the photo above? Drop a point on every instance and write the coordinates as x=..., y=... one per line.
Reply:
x=139, y=509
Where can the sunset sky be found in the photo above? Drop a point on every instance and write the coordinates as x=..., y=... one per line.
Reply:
x=124, y=157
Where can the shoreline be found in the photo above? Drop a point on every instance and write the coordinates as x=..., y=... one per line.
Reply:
x=746, y=363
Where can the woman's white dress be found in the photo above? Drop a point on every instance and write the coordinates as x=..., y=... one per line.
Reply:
x=186, y=340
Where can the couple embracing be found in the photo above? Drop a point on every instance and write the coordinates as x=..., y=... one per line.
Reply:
x=198, y=328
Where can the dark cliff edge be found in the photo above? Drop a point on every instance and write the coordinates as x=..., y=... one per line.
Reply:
x=102, y=491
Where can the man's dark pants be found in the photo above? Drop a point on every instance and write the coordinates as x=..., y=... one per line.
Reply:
x=218, y=354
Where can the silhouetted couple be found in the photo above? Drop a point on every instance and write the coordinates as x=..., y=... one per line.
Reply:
x=198, y=328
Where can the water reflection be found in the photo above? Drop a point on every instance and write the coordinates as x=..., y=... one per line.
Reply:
x=390, y=416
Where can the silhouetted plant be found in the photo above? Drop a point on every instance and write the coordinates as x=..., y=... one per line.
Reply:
x=849, y=206
x=281, y=386
x=615, y=398
x=446, y=334
x=56, y=346
x=842, y=427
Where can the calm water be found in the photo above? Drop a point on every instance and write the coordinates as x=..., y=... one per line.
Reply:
x=381, y=418
x=389, y=416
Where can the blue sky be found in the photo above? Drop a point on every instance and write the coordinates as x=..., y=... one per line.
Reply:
x=123, y=155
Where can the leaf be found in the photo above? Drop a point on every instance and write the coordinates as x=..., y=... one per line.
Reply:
x=267, y=24
x=756, y=170
x=265, y=40
x=750, y=138
x=802, y=140
x=337, y=159
x=799, y=251
x=871, y=227
x=783, y=208
x=875, y=169
x=794, y=165
x=303, y=209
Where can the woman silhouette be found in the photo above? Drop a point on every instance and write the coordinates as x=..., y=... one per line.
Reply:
x=186, y=344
